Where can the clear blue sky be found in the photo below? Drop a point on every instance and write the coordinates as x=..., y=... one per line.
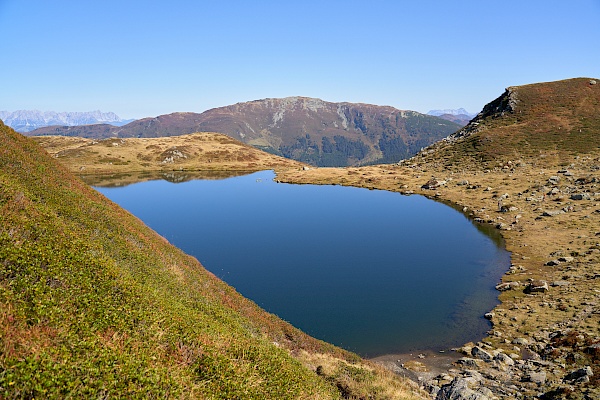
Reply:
x=146, y=58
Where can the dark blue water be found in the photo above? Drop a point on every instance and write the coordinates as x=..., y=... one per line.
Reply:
x=371, y=271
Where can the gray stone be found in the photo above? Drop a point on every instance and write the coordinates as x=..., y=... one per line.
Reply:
x=537, y=286
x=462, y=183
x=538, y=378
x=554, y=191
x=553, y=180
x=560, y=283
x=459, y=389
x=520, y=341
x=503, y=287
x=473, y=375
x=481, y=354
x=467, y=362
x=581, y=196
x=581, y=375
x=503, y=358
x=552, y=213
x=433, y=183
x=566, y=259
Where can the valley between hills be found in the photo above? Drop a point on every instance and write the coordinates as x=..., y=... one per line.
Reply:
x=527, y=165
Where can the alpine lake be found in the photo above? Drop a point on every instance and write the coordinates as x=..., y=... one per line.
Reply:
x=371, y=271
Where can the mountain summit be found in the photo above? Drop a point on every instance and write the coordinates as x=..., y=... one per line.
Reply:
x=301, y=128
x=541, y=121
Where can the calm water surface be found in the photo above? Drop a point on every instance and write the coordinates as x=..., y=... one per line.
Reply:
x=372, y=271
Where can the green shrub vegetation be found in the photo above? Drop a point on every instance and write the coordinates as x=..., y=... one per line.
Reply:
x=93, y=304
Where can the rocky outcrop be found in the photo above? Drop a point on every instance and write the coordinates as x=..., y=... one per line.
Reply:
x=506, y=103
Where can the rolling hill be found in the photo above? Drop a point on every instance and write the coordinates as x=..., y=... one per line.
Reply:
x=305, y=129
x=94, y=304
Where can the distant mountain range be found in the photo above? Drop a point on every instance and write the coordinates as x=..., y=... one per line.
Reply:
x=459, y=116
x=29, y=120
x=459, y=111
x=301, y=128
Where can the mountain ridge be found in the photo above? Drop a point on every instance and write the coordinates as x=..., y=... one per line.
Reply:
x=305, y=129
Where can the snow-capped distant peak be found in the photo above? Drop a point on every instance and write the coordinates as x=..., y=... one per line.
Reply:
x=459, y=111
x=28, y=120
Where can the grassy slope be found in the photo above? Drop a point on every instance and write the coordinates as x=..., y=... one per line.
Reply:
x=551, y=122
x=95, y=304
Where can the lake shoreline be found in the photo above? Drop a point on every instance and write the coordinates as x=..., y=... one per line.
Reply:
x=525, y=321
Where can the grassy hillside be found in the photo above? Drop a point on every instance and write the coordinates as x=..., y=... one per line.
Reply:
x=93, y=304
x=548, y=122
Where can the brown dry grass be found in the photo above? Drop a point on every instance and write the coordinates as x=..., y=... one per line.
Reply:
x=199, y=151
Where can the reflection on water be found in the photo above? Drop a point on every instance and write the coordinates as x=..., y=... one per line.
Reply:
x=372, y=271
x=124, y=179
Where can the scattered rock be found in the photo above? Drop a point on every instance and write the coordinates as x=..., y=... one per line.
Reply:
x=552, y=213
x=305, y=168
x=467, y=362
x=507, y=286
x=537, y=286
x=554, y=191
x=560, y=283
x=520, y=341
x=459, y=389
x=462, y=183
x=503, y=358
x=553, y=180
x=433, y=183
x=581, y=196
x=481, y=354
x=592, y=82
x=489, y=315
x=581, y=375
x=539, y=378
